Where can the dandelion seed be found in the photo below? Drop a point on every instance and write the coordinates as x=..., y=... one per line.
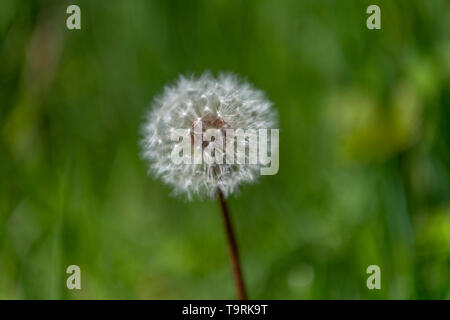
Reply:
x=222, y=103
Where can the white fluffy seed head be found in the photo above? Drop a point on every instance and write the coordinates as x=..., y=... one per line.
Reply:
x=236, y=103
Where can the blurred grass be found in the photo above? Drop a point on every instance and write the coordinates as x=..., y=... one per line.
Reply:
x=364, y=158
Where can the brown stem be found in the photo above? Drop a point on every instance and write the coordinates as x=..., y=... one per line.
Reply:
x=232, y=248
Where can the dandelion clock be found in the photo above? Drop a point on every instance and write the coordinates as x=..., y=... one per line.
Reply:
x=207, y=136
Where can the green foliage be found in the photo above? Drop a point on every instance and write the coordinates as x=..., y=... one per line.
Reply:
x=364, y=155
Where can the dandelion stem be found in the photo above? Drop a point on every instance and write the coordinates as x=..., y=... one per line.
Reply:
x=232, y=248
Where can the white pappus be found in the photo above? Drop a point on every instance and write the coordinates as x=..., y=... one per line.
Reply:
x=225, y=102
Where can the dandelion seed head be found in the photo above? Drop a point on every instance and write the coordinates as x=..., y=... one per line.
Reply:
x=221, y=103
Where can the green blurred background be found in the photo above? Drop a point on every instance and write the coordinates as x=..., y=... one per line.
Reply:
x=364, y=150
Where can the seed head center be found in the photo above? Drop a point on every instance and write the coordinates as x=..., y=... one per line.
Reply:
x=209, y=121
